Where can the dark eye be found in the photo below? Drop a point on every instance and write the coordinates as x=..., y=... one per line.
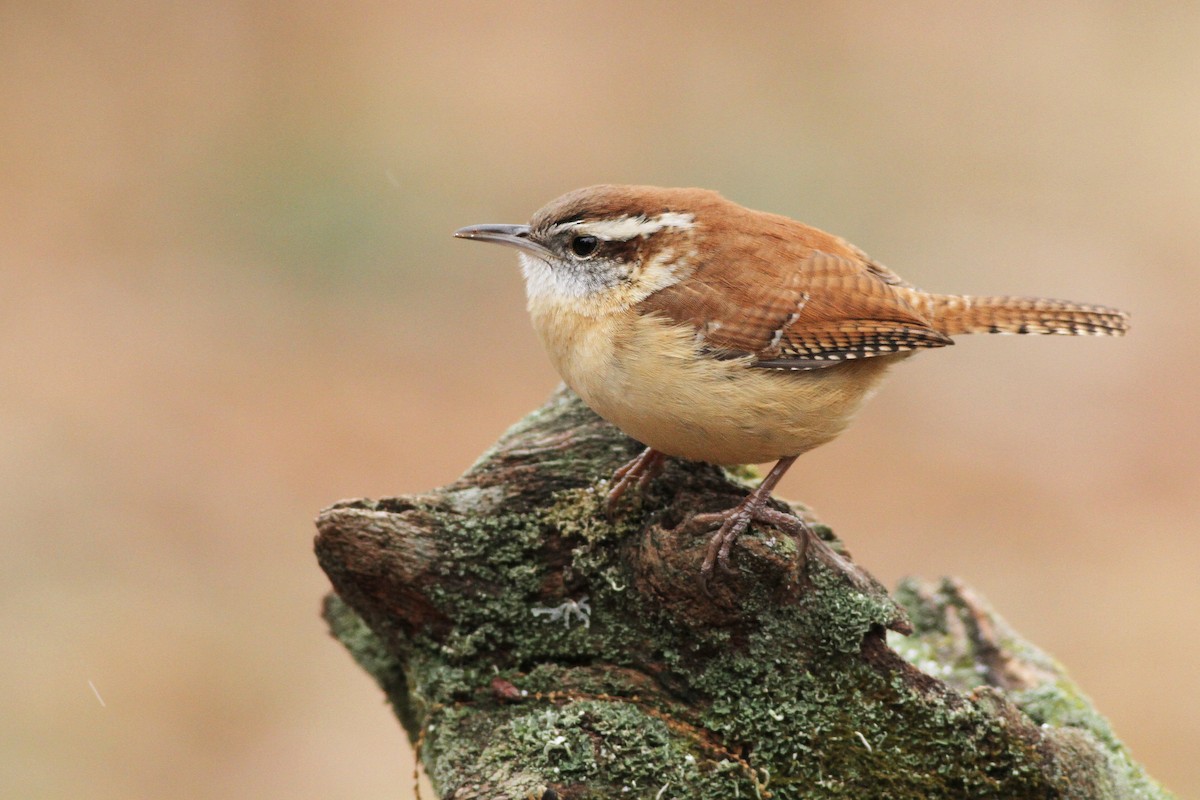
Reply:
x=585, y=246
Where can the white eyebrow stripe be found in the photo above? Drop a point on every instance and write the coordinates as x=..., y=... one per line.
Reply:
x=626, y=228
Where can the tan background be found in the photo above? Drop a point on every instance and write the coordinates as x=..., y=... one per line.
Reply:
x=229, y=296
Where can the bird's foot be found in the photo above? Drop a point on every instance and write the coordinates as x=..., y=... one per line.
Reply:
x=734, y=522
x=637, y=473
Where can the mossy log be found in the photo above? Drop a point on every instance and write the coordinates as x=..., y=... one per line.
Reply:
x=535, y=647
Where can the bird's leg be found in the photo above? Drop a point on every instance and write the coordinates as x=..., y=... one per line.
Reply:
x=638, y=472
x=735, y=521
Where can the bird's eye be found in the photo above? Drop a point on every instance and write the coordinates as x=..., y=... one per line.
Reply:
x=585, y=246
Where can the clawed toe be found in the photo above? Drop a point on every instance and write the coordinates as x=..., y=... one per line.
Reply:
x=636, y=473
x=733, y=523
x=730, y=524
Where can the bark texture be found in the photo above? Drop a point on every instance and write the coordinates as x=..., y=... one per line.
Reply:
x=534, y=647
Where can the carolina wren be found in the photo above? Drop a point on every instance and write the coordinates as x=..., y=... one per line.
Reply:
x=712, y=332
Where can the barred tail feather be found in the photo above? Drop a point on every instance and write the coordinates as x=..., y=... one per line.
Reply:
x=958, y=314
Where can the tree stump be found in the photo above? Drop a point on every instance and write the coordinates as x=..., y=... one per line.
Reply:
x=535, y=647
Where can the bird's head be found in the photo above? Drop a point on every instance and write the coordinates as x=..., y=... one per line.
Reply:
x=604, y=248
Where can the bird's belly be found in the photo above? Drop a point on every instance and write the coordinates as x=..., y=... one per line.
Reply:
x=728, y=413
x=646, y=378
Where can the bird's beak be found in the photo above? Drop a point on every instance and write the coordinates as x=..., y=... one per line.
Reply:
x=511, y=235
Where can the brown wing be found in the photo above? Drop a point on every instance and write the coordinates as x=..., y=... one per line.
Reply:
x=814, y=310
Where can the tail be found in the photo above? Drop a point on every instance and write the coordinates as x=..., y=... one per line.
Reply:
x=958, y=314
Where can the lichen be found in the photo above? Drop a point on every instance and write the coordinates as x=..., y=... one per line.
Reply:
x=1088, y=761
x=653, y=699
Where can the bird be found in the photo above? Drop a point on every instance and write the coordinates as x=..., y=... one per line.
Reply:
x=712, y=332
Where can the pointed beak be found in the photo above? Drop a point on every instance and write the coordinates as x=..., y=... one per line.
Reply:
x=511, y=235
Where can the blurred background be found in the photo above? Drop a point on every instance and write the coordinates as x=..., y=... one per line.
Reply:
x=229, y=297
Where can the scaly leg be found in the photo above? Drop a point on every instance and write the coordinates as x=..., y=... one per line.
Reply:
x=735, y=521
x=638, y=472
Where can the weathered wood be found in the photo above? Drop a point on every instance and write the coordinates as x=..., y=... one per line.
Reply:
x=536, y=647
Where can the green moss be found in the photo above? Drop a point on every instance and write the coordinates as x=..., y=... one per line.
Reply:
x=580, y=514
x=364, y=645
x=370, y=652
x=843, y=727
x=1088, y=761
x=498, y=556
x=613, y=748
